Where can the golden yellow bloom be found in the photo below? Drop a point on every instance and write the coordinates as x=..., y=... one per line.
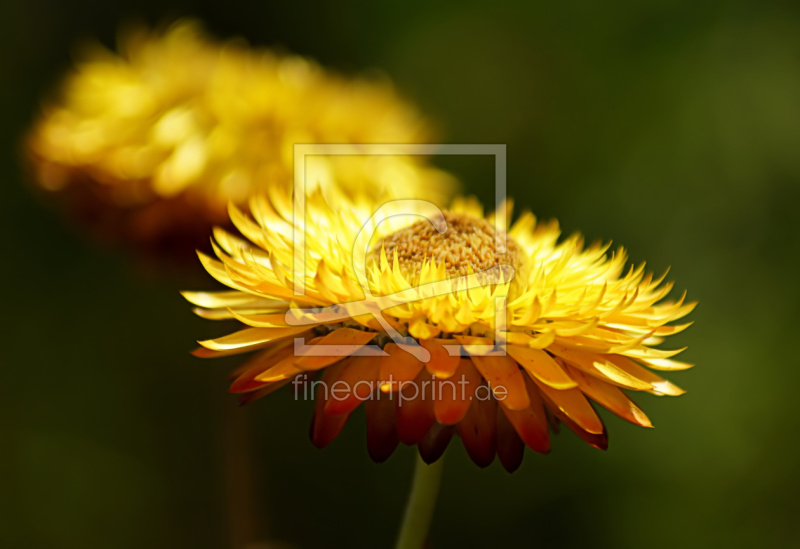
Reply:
x=167, y=132
x=510, y=331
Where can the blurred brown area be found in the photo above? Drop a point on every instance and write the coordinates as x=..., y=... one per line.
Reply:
x=670, y=127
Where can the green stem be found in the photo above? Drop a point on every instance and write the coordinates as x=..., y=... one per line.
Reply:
x=420, y=506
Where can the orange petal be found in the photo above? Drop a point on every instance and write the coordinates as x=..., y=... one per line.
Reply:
x=505, y=378
x=326, y=427
x=260, y=357
x=510, y=448
x=246, y=380
x=415, y=408
x=356, y=383
x=381, y=427
x=398, y=367
x=478, y=431
x=246, y=398
x=286, y=367
x=610, y=397
x=454, y=395
x=283, y=369
x=599, y=441
x=339, y=344
x=435, y=442
x=574, y=405
x=541, y=366
x=531, y=423
x=442, y=364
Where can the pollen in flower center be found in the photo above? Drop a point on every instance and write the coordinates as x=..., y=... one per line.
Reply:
x=467, y=243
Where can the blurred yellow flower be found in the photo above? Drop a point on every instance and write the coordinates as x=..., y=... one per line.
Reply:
x=168, y=131
x=384, y=302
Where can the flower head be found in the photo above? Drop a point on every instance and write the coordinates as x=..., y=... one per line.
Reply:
x=156, y=140
x=442, y=322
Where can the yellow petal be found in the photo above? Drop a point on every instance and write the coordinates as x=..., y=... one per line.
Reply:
x=658, y=385
x=542, y=366
x=250, y=338
x=214, y=300
x=610, y=397
x=600, y=366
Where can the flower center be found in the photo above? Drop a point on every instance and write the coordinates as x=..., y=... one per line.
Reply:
x=467, y=243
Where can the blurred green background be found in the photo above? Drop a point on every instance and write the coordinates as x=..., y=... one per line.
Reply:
x=671, y=127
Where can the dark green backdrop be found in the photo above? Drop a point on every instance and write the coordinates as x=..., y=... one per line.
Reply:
x=671, y=127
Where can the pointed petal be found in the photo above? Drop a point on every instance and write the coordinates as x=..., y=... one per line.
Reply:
x=665, y=364
x=573, y=405
x=246, y=380
x=202, y=352
x=610, y=397
x=599, y=440
x=655, y=383
x=601, y=366
x=250, y=338
x=225, y=299
x=269, y=320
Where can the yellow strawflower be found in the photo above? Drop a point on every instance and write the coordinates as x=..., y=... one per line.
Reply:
x=510, y=330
